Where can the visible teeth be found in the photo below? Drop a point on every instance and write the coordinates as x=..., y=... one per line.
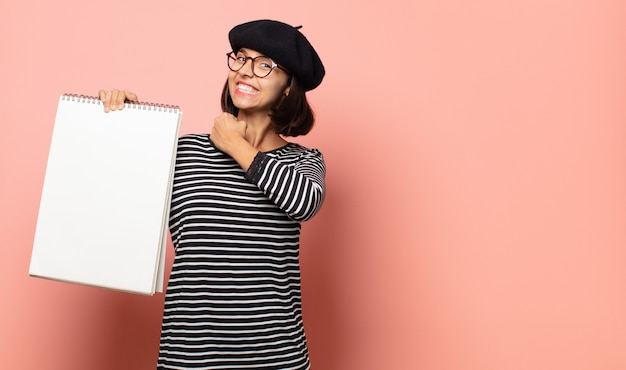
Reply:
x=247, y=89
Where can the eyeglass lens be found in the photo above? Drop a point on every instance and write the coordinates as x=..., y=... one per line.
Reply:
x=261, y=65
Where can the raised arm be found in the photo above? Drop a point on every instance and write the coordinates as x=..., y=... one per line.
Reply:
x=297, y=188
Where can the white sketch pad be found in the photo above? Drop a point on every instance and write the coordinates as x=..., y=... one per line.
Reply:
x=105, y=201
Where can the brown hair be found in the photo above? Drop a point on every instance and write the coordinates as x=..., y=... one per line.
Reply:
x=291, y=116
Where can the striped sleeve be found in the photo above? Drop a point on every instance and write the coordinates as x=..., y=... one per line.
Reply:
x=296, y=187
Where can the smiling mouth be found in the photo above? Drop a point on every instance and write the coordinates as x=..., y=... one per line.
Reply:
x=247, y=89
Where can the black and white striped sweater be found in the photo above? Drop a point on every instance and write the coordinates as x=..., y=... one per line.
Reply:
x=233, y=299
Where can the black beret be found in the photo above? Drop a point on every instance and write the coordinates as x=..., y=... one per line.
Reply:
x=285, y=45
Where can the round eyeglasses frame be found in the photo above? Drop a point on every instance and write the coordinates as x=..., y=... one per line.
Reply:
x=232, y=55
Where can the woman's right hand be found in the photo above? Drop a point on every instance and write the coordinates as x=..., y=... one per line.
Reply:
x=114, y=99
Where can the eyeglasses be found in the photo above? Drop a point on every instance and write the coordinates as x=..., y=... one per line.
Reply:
x=262, y=66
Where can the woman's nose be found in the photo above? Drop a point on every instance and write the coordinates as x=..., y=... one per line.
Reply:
x=246, y=69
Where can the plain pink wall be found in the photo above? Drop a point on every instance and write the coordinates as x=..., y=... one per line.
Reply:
x=476, y=155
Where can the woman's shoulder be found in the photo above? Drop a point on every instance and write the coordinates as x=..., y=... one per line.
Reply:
x=194, y=142
x=202, y=140
x=194, y=137
x=292, y=147
x=295, y=150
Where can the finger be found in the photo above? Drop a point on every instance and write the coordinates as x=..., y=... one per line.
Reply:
x=216, y=123
x=114, y=94
x=102, y=96
x=131, y=96
x=121, y=97
x=107, y=101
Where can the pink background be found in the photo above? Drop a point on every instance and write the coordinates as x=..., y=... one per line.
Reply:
x=476, y=206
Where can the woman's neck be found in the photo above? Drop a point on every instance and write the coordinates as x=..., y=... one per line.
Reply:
x=260, y=133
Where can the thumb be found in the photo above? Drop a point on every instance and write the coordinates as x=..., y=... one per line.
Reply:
x=131, y=96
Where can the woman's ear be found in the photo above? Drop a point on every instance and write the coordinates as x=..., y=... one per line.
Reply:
x=286, y=93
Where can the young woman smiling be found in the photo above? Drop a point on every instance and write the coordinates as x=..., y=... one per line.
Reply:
x=239, y=197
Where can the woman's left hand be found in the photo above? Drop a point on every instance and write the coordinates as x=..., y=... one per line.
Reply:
x=228, y=133
x=229, y=136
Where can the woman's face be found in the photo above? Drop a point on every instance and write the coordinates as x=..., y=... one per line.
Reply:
x=254, y=94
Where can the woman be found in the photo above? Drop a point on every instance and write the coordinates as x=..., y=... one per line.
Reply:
x=239, y=195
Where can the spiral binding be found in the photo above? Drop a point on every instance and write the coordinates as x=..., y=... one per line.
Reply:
x=132, y=105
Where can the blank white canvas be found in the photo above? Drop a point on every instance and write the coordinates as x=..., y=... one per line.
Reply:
x=105, y=201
